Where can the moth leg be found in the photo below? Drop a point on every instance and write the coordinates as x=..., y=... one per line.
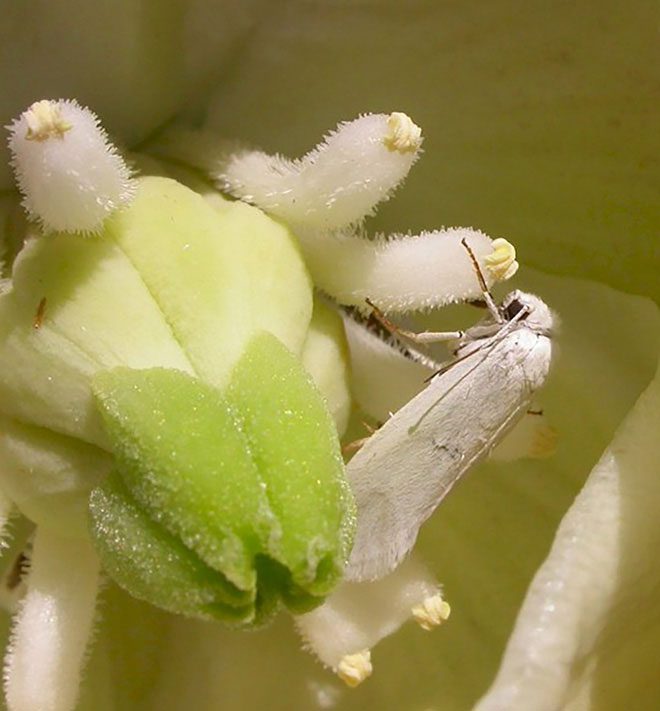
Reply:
x=422, y=337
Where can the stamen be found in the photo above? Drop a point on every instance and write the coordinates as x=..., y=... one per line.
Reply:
x=338, y=183
x=53, y=625
x=431, y=612
x=358, y=615
x=405, y=136
x=401, y=273
x=326, y=195
x=502, y=262
x=355, y=668
x=71, y=177
x=44, y=120
x=544, y=442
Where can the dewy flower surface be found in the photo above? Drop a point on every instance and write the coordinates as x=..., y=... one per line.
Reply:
x=225, y=497
x=539, y=127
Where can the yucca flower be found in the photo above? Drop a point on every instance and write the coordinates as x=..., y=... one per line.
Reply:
x=538, y=129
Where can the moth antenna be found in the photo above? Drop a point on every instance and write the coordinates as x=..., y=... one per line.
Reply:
x=488, y=298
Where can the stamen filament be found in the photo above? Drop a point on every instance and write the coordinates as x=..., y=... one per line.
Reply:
x=53, y=625
x=336, y=184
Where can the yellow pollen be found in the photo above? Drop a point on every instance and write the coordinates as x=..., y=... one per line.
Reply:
x=544, y=442
x=404, y=135
x=501, y=262
x=353, y=669
x=44, y=121
x=432, y=611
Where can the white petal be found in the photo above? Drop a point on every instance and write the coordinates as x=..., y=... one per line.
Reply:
x=596, y=593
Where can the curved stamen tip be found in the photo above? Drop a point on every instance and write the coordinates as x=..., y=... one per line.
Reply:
x=70, y=175
x=44, y=120
x=501, y=262
x=353, y=669
x=431, y=612
x=404, y=135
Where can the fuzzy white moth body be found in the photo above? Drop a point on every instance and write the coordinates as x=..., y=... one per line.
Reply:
x=410, y=464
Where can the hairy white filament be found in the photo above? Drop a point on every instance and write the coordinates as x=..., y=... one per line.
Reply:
x=70, y=175
x=53, y=625
x=401, y=273
x=338, y=183
x=325, y=196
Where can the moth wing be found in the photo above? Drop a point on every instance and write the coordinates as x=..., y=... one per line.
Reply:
x=399, y=477
x=411, y=463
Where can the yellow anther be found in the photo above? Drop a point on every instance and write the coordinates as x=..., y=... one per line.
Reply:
x=501, y=262
x=44, y=120
x=404, y=136
x=431, y=612
x=353, y=669
x=544, y=442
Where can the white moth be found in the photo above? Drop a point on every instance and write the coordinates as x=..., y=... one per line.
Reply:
x=410, y=464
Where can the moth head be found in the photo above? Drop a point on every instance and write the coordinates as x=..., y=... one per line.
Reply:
x=529, y=309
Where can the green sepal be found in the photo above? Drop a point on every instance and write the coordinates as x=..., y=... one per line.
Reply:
x=294, y=443
x=153, y=565
x=187, y=464
x=249, y=482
